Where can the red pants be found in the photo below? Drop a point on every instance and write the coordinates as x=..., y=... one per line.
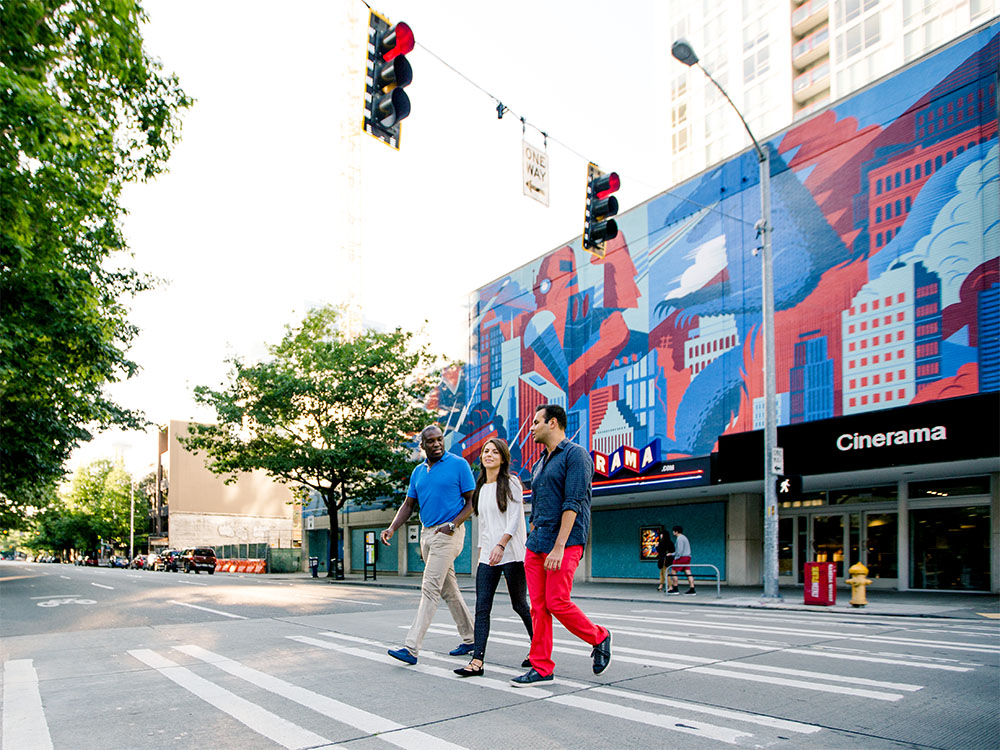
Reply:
x=549, y=591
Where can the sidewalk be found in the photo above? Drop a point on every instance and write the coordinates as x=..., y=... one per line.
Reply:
x=984, y=607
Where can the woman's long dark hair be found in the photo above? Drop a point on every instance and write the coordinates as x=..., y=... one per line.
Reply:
x=503, y=476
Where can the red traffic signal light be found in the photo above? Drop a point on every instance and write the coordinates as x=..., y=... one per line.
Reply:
x=598, y=226
x=388, y=72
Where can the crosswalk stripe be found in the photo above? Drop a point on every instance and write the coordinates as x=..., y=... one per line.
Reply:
x=684, y=726
x=873, y=694
x=397, y=734
x=206, y=609
x=744, y=644
x=651, y=658
x=921, y=643
x=24, y=724
x=824, y=675
x=869, y=659
x=257, y=718
x=725, y=713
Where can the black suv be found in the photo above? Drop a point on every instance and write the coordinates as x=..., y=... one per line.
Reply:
x=198, y=559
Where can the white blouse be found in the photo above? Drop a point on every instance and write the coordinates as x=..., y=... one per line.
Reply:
x=493, y=524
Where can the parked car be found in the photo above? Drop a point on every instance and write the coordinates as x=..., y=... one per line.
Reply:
x=88, y=560
x=139, y=562
x=151, y=560
x=170, y=560
x=198, y=559
x=119, y=562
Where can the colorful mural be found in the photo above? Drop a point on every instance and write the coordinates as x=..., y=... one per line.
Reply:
x=886, y=216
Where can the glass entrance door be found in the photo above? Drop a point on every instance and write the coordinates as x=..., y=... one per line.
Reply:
x=829, y=540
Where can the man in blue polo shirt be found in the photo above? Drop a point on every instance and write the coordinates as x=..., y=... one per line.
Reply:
x=442, y=487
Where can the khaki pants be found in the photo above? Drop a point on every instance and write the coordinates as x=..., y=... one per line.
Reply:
x=439, y=552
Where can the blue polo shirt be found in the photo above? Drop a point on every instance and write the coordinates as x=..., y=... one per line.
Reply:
x=438, y=488
x=560, y=481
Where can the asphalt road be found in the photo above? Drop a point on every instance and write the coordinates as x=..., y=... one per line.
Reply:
x=100, y=658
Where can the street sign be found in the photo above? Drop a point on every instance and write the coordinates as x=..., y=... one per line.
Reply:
x=535, y=173
x=777, y=460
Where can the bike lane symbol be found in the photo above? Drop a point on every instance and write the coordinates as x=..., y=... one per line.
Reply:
x=68, y=600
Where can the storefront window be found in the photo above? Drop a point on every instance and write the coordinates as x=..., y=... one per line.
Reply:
x=962, y=487
x=880, y=548
x=950, y=548
x=828, y=541
x=786, y=540
x=885, y=494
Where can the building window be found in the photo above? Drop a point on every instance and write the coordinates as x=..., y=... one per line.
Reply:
x=878, y=215
x=878, y=186
x=906, y=176
x=916, y=172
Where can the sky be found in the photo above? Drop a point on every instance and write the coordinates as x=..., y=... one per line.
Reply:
x=246, y=230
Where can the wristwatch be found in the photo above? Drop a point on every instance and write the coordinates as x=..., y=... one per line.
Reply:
x=450, y=525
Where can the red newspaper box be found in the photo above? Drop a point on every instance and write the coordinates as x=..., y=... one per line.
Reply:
x=821, y=583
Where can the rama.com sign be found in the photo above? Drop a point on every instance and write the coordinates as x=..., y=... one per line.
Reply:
x=629, y=468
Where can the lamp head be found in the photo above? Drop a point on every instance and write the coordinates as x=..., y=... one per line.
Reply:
x=684, y=52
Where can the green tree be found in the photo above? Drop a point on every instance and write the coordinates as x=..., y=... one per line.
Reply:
x=323, y=412
x=83, y=111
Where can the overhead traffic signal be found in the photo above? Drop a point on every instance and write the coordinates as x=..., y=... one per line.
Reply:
x=387, y=73
x=598, y=226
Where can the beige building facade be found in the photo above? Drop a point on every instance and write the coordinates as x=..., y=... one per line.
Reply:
x=202, y=510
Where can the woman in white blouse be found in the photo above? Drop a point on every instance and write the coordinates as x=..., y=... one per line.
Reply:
x=498, y=501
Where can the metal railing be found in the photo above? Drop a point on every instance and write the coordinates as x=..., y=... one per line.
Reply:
x=718, y=577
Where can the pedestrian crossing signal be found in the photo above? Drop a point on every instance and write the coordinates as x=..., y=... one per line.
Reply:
x=788, y=487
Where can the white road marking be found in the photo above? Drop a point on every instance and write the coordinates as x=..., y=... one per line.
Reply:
x=66, y=577
x=745, y=644
x=767, y=721
x=24, y=724
x=190, y=583
x=397, y=734
x=823, y=676
x=719, y=666
x=922, y=643
x=257, y=718
x=101, y=586
x=206, y=609
x=616, y=710
x=771, y=680
x=689, y=623
x=335, y=600
x=867, y=658
x=54, y=596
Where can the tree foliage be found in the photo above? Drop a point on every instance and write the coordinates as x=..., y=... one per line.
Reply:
x=95, y=507
x=83, y=111
x=322, y=412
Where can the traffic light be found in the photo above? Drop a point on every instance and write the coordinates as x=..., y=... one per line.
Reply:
x=598, y=226
x=387, y=73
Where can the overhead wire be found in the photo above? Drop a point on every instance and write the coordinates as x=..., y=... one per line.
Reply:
x=503, y=109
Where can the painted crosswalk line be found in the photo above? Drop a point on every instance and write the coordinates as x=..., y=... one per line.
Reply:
x=257, y=718
x=720, y=668
x=389, y=731
x=586, y=699
x=24, y=724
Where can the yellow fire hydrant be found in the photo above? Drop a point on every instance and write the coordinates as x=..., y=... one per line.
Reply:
x=858, y=581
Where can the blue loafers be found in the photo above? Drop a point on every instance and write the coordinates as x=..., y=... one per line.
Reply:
x=403, y=654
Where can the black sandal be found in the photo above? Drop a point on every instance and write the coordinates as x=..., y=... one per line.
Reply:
x=469, y=672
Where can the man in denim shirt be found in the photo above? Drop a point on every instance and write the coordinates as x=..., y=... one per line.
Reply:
x=560, y=524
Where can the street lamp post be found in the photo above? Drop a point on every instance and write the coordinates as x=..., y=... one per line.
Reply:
x=684, y=52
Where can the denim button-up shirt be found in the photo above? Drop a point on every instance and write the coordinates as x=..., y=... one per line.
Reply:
x=560, y=481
